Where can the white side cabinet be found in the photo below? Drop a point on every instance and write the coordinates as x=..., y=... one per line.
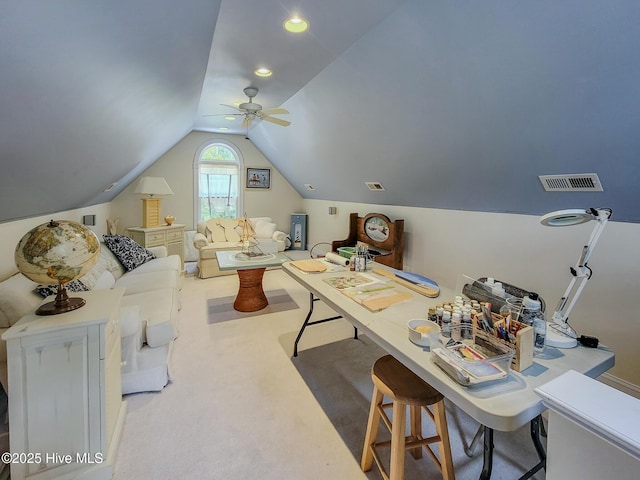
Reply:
x=65, y=398
x=171, y=236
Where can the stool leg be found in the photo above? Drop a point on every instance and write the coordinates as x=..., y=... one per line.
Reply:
x=398, y=433
x=416, y=429
x=444, y=446
x=372, y=429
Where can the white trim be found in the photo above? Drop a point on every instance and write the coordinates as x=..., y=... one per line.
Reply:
x=620, y=384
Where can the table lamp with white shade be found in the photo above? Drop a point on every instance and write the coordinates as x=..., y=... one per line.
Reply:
x=155, y=187
x=560, y=334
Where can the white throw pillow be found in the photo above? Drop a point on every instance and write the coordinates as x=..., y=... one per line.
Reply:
x=264, y=229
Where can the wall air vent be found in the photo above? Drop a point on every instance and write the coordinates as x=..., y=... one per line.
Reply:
x=581, y=182
x=375, y=186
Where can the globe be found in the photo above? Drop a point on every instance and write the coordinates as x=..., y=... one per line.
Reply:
x=57, y=253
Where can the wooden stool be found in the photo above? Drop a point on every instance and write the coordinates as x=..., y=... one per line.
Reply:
x=393, y=379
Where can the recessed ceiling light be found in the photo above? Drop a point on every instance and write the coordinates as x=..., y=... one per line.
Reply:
x=263, y=72
x=223, y=128
x=229, y=118
x=295, y=24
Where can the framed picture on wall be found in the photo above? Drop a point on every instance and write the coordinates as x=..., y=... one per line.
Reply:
x=259, y=178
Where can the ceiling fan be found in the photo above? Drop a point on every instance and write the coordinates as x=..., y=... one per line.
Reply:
x=251, y=111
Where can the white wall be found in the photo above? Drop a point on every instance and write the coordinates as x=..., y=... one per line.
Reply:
x=12, y=232
x=443, y=244
x=517, y=249
x=177, y=168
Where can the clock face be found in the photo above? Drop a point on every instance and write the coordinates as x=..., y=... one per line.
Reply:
x=376, y=229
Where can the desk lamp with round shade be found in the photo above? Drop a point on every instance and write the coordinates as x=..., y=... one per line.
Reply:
x=560, y=334
x=57, y=253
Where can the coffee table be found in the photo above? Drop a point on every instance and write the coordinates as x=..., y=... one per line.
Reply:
x=251, y=297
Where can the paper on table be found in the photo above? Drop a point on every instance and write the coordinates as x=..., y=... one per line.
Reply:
x=351, y=280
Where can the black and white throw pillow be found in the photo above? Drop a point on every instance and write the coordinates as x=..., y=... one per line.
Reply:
x=73, y=286
x=130, y=253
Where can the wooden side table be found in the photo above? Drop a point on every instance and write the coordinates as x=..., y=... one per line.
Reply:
x=169, y=236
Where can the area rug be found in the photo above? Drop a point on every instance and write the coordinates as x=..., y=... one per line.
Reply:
x=221, y=309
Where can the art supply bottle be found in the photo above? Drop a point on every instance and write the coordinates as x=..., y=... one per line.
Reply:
x=352, y=263
x=439, y=313
x=539, y=333
x=466, y=326
x=455, y=325
x=446, y=324
x=530, y=308
x=432, y=315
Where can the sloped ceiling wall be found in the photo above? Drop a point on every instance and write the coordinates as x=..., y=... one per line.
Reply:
x=452, y=104
x=461, y=105
x=92, y=93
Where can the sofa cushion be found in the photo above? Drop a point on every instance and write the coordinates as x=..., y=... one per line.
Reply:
x=158, y=313
x=264, y=229
x=72, y=286
x=148, y=281
x=130, y=253
x=210, y=250
x=17, y=299
x=172, y=262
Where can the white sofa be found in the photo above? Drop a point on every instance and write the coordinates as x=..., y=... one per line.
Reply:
x=148, y=314
x=220, y=234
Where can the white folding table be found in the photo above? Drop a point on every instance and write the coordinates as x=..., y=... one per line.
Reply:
x=503, y=406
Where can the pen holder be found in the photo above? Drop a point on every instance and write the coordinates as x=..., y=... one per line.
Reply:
x=523, y=333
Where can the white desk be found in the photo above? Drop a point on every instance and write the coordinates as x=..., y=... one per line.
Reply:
x=504, y=406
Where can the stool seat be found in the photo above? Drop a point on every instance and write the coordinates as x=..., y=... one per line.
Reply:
x=392, y=379
x=398, y=382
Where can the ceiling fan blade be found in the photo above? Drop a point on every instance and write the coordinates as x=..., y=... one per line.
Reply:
x=231, y=106
x=276, y=111
x=277, y=121
x=224, y=115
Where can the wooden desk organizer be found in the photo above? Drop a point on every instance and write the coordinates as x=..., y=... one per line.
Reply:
x=523, y=357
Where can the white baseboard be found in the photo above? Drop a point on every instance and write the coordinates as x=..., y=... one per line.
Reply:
x=620, y=384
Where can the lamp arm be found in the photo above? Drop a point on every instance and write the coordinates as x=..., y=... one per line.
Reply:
x=581, y=273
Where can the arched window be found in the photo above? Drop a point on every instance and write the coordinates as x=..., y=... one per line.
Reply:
x=218, y=190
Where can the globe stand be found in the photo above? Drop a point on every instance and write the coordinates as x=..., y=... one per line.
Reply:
x=61, y=304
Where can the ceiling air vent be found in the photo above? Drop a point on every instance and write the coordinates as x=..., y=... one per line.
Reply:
x=375, y=186
x=581, y=182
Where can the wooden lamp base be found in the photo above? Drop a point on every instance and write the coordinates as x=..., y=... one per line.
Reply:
x=151, y=212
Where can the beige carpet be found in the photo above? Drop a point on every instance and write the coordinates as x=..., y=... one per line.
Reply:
x=241, y=407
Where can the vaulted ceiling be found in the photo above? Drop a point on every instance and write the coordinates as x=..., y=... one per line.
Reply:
x=448, y=104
